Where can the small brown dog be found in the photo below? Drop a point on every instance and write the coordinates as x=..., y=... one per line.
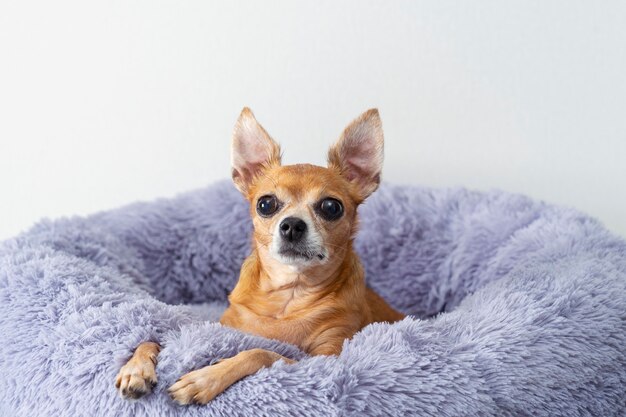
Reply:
x=303, y=283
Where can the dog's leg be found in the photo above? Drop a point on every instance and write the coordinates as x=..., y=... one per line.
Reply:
x=138, y=376
x=202, y=385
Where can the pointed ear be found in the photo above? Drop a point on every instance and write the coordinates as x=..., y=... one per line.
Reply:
x=358, y=154
x=252, y=150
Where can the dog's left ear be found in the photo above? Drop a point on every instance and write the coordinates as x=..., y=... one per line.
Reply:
x=252, y=150
x=358, y=154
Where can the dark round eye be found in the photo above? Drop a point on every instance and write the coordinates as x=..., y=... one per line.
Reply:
x=330, y=209
x=267, y=205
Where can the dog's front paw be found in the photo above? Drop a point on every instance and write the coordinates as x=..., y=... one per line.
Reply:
x=137, y=377
x=202, y=385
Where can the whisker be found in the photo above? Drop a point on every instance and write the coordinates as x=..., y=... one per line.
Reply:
x=325, y=244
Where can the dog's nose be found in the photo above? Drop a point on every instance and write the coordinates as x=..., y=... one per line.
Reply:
x=292, y=229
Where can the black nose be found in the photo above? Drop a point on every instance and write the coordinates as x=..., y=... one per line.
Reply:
x=292, y=229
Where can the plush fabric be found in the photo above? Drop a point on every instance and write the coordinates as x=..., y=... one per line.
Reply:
x=517, y=308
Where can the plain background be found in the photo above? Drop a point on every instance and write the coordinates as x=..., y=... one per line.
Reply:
x=104, y=103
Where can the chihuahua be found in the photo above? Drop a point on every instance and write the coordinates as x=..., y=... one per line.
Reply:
x=303, y=283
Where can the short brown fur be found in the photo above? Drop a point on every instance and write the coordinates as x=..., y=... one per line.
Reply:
x=315, y=306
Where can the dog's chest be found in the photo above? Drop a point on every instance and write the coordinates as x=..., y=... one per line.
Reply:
x=297, y=329
x=292, y=331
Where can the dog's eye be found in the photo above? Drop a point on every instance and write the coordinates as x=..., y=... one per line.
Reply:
x=330, y=209
x=267, y=205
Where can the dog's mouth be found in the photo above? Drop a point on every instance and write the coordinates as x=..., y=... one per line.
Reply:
x=300, y=254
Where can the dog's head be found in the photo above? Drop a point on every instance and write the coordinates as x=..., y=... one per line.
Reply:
x=305, y=216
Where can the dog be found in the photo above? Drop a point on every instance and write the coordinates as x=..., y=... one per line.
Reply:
x=303, y=283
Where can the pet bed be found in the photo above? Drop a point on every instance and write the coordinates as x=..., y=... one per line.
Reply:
x=517, y=308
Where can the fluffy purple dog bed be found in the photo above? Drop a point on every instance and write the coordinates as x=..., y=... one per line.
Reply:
x=519, y=308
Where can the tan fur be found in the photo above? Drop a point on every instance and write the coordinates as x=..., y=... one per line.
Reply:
x=138, y=376
x=315, y=306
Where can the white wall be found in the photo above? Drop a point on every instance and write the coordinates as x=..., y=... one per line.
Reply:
x=103, y=103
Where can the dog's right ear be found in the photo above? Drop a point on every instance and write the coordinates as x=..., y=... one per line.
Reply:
x=252, y=151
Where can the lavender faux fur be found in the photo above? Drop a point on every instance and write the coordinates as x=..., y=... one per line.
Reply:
x=534, y=299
